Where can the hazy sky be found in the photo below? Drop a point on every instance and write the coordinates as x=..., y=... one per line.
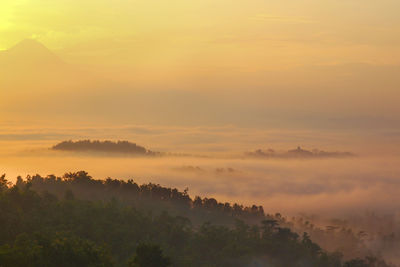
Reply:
x=304, y=63
x=242, y=35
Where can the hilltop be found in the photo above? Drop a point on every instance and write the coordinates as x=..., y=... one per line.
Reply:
x=123, y=147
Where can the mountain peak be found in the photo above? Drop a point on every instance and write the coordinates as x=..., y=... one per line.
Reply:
x=29, y=45
x=30, y=52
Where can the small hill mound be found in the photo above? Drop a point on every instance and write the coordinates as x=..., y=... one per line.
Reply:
x=119, y=147
x=298, y=153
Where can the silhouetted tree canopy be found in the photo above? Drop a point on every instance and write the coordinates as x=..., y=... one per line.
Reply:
x=147, y=255
x=298, y=153
x=75, y=220
x=123, y=147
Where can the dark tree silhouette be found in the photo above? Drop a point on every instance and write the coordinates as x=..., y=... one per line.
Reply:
x=123, y=147
x=76, y=220
x=148, y=255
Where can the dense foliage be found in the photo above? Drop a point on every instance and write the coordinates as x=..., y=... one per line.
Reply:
x=124, y=147
x=87, y=222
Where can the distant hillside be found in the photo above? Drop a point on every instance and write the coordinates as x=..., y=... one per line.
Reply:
x=123, y=147
x=298, y=153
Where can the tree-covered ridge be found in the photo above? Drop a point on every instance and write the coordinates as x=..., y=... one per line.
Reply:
x=298, y=153
x=54, y=228
x=145, y=197
x=124, y=147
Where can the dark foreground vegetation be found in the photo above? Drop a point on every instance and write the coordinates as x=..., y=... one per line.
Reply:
x=75, y=220
x=121, y=147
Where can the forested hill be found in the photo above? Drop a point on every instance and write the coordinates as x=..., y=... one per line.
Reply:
x=75, y=220
x=123, y=147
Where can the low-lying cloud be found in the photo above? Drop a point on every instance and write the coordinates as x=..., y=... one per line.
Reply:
x=345, y=188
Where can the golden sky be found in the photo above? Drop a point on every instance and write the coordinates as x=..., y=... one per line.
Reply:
x=306, y=57
x=247, y=35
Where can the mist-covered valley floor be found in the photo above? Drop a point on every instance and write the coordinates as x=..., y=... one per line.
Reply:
x=331, y=194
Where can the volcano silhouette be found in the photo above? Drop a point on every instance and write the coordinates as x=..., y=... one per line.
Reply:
x=30, y=55
x=29, y=65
